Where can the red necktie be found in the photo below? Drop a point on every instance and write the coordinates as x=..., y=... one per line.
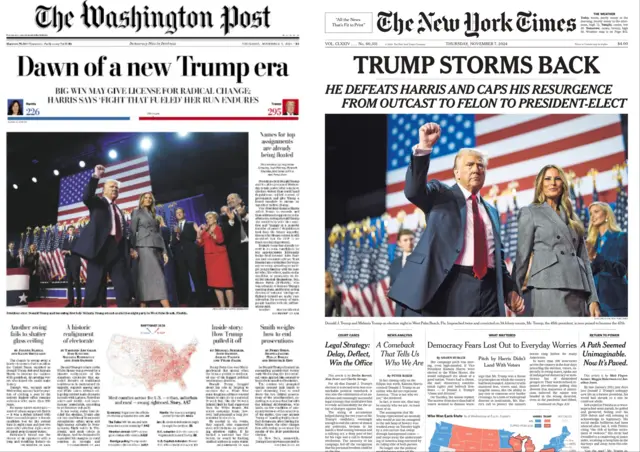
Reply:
x=118, y=224
x=479, y=241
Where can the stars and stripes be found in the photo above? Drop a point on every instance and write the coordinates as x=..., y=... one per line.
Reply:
x=46, y=264
x=518, y=147
x=384, y=306
x=351, y=294
x=365, y=274
x=621, y=209
x=510, y=240
x=134, y=177
x=336, y=259
x=49, y=241
x=364, y=281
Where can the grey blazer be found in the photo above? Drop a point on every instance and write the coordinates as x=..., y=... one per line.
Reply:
x=560, y=258
x=145, y=231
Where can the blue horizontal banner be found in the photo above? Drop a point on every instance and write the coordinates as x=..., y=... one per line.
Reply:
x=71, y=118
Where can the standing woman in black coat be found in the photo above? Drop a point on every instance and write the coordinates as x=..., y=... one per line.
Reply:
x=32, y=262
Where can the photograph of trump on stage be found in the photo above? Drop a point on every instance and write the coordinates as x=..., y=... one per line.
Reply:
x=461, y=215
x=125, y=220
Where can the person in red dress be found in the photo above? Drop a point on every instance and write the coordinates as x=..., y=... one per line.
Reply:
x=216, y=259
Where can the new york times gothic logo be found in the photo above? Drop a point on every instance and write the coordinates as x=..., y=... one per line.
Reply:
x=474, y=23
x=139, y=18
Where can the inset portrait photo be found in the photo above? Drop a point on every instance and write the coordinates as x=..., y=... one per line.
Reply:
x=14, y=107
x=290, y=107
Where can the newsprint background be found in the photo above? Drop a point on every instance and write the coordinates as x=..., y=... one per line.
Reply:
x=273, y=373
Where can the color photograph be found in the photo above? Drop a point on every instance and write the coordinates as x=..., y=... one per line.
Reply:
x=486, y=215
x=127, y=220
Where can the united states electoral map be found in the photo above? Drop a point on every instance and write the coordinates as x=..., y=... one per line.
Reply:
x=456, y=438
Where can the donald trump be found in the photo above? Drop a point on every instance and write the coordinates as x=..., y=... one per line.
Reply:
x=457, y=268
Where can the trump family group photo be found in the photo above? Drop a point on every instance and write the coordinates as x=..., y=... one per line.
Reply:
x=128, y=220
x=476, y=215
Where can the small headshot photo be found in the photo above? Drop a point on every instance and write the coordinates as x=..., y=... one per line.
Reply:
x=290, y=107
x=15, y=107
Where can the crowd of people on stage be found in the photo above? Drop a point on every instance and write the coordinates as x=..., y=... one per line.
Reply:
x=457, y=268
x=147, y=261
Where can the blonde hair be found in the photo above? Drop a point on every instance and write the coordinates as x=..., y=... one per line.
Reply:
x=211, y=213
x=575, y=223
x=332, y=289
x=612, y=224
x=478, y=152
x=152, y=209
x=117, y=182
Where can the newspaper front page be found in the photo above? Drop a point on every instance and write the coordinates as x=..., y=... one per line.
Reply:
x=152, y=295
x=177, y=174
x=503, y=134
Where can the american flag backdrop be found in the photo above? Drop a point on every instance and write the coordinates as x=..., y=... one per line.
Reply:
x=518, y=146
x=134, y=177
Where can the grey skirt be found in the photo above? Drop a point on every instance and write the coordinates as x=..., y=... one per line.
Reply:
x=151, y=284
x=558, y=303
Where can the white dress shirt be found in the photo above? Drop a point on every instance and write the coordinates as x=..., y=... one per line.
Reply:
x=404, y=258
x=465, y=257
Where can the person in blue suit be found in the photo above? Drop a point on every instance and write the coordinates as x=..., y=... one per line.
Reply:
x=406, y=240
x=607, y=247
x=72, y=267
x=103, y=243
x=457, y=269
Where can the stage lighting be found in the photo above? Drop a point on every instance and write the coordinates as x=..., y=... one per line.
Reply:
x=56, y=172
x=34, y=180
x=15, y=186
x=113, y=154
x=82, y=164
x=145, y=144
x=183, y=134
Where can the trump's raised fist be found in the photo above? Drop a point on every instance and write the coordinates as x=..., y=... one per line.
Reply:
x=99, y=171
x=429, y=134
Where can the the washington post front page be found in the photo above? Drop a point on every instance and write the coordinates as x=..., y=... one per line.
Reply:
x=177, y=175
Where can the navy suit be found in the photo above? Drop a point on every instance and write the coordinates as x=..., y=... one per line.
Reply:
x=12, y=261
x=72, y=268
x=426, y=281
x=238, y=256
x=188, y=261
x=394, y=271
x=609, y=270
x=104, y=255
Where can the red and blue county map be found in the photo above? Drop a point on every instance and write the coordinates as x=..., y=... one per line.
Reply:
x=455, y=438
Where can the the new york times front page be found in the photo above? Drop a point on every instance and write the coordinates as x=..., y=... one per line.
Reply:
x=479, y=163
x=170, y=203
